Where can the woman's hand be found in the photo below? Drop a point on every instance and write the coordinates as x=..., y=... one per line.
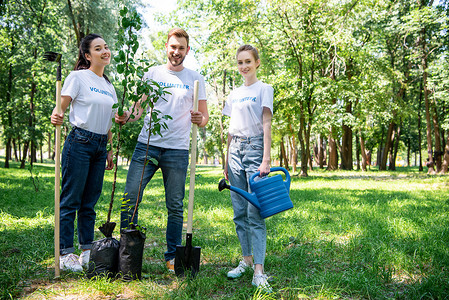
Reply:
x=264, y=168
x=123, y=118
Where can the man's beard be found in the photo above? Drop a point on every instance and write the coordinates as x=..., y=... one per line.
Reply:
x=173, y=60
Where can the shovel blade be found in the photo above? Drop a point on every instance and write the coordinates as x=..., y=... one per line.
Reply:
x=186, y=262
x=187, y=258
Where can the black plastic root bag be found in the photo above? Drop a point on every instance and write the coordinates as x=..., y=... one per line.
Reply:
x=104, y=258
x=132, y=242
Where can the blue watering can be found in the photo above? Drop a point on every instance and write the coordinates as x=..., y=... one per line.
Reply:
x=270, y=194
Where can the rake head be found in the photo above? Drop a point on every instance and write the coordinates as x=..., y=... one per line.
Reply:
x=52, y=56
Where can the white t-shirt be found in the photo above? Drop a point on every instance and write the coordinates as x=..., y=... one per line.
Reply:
x=92, y=101
x=245, y=107
x=177, y=106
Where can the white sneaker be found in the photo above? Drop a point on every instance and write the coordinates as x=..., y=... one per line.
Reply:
x=70, y=262
x=84, y=259
x=261, y=281
x=237, y=272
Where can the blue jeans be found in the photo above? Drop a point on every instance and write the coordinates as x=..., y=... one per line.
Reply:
x=245, y=157
x=173, y=164
x=83, y=164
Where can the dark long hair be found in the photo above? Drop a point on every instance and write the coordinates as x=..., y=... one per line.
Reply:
x=82, y=63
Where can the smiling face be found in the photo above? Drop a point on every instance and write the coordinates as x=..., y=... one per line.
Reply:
x=177, y=49
x=247, y=65
x=99, y=55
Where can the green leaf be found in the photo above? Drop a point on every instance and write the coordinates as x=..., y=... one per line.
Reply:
x=120, y=69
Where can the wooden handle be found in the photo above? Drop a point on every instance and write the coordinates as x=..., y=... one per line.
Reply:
x=57, y=177
x=192, y=161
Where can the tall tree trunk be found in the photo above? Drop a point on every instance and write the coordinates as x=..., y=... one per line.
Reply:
x=321, y=151
x=445, y=164
x=436, y=130
x=16, y=156
x=284, y=154
x=294, y=152
x=332, y=163
x=419, y=128
x=9, y=112
x=76, y=26
x=25, y=154
x=309, y=157
x=430, y=162
x=388, y=140
x=346, y=146
x=304, y=158
x=363, y=152
x=391, y=160
x=357, y=152
x=396, y=144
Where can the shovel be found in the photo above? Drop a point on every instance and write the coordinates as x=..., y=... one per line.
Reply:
x=56, y=57
x=187, y=258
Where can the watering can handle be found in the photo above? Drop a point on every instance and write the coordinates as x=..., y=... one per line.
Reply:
x=274, y=169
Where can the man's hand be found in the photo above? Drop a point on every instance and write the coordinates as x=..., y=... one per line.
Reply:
x=197, y=117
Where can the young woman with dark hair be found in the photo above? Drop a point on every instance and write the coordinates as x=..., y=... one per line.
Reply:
x=84, y=157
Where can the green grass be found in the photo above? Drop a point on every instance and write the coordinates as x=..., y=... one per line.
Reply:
x=351, y=235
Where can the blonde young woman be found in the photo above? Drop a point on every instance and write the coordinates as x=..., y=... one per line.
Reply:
x=249, y=143
x=84, y=157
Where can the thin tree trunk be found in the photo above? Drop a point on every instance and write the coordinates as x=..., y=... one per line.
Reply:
x=9, y=112
x=294, y=153
x=321, y=152
x=284, y=154
x=436, y=130
x=445, y=164
x=24, y=155
x=304, y=158
x=346, y=144
x=430, y=162
x=391, y=160
x=357, y=152
x=383, y=163
x=419, y=128
x=363, y=152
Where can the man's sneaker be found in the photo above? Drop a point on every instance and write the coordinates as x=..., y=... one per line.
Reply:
x=70, y=262
x=84, y=259
x=171, y=265
x=261, y=281
x=237, y=272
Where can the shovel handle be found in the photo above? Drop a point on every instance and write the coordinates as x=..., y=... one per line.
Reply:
x=57, y=177
x=192, y=161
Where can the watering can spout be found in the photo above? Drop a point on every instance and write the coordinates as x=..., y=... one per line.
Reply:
x=252, y=198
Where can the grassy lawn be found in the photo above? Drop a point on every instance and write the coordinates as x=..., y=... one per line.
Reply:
x=351, y=235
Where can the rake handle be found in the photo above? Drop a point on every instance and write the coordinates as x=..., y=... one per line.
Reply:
x=57, y=176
